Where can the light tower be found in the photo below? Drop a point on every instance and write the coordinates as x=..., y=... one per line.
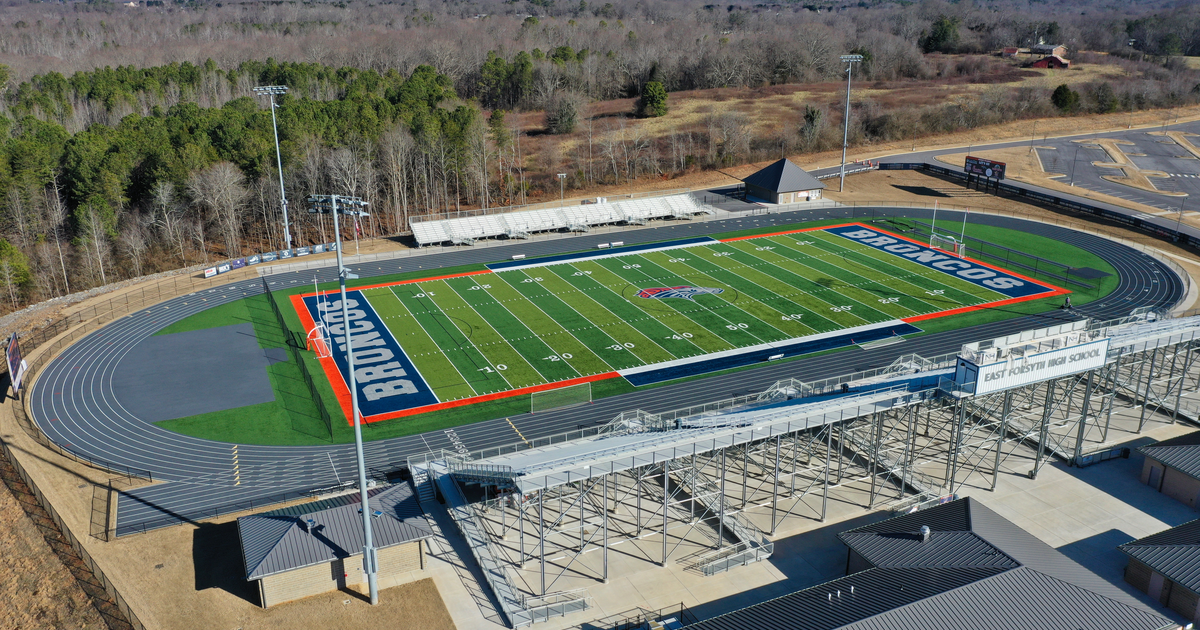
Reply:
x=271, y=91
x=850, y=60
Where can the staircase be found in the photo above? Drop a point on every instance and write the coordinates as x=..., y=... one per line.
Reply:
x=752, y=546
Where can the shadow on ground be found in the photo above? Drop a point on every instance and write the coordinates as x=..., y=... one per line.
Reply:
x=217, y=557
x=1099, y=554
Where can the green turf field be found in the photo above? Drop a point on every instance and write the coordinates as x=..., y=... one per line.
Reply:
x=488, y=333
x=294, y=418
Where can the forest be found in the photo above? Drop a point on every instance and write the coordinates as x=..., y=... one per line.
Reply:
x=131, y=140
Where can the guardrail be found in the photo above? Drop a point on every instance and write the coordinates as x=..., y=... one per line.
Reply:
x=1103, y=455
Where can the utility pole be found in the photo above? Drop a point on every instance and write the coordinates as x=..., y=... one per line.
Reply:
x=271, y=91
x=849, y=60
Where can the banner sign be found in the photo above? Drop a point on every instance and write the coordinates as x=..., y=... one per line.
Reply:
x=1017, y=371
x=210, y=272
x=285, y=253
x=985, y=168
x=302, y=251
x=253, y=260
x=223, y=268
x=318, y=249
x=237, y=263
x=269, y=257
x=16, y=364
x=966, y=269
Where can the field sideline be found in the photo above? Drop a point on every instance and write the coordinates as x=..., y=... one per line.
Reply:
x=649, y=314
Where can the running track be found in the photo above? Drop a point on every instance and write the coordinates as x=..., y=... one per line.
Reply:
x=72, y=399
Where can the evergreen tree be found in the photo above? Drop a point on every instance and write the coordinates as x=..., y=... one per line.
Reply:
x=653, y=101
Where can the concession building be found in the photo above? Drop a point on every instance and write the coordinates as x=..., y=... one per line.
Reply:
x=783, y=182
x=316, y=547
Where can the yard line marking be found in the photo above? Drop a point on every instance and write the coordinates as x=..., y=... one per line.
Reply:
x=435, y=343
x=635, y=329
x=556, y=351
x=842, y=269
x=931, y=275
x=648, y=314
x=484, y=319
x=727, y=321
x=531, y=335
x=768, y=306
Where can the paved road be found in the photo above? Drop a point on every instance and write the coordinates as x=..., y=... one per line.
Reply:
x=74, y=404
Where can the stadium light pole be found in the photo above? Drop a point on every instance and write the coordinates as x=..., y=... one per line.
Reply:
x=561, y=178
x=850, y=60
x=328, y=204
x=271, y=91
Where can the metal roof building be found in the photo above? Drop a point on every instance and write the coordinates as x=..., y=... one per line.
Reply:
x=1173, y=467
x=974, y=569
x=1166, y=566
x=281, y=546
x=783, y=182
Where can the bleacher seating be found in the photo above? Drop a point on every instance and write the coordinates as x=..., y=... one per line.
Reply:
x=575, y=218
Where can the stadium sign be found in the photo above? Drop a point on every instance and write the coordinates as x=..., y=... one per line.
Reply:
x=964, y=268
x=1016, y=371
x=685, y=292
x=382, y=371
x=16, y=364
x=984, y=168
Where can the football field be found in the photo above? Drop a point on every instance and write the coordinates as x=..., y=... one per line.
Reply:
x=645, y=313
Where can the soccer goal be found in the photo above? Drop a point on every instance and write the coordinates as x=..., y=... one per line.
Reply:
x=318, y=341
x=562, y=397
x=945, y=243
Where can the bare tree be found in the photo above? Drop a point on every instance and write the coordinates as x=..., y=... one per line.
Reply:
x=55, y=217
x=133, y=243
x=169, y=219
x=97, y=248
x=219, y=189
x=8, y=277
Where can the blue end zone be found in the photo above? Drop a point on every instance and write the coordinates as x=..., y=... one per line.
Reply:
x=981, y=275
x=758, y=356
x=387, y=380
x=628, y=249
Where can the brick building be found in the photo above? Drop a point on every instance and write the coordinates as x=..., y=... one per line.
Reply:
x=783, y=182
x=315, y=548
x=1172, y=467
x=1166, y=566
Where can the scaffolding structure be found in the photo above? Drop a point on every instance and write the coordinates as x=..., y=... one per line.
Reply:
x=708, y=486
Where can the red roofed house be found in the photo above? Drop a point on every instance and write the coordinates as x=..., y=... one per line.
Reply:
x=1052, y=61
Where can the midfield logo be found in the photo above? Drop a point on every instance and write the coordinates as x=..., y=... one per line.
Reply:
x=685, y=292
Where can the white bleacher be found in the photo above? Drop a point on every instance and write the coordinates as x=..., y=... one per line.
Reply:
x=576, y=218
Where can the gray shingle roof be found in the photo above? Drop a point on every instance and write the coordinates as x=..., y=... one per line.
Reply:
x=1181, y=453
x=276, y=541
x=977, y=570
x=1175, y=553
x=783, y=176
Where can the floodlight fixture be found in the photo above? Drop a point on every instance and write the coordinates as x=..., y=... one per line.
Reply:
x=271, y=91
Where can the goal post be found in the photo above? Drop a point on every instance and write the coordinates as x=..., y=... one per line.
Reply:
x=945, y=243
x=562, y=397
x=318, y=341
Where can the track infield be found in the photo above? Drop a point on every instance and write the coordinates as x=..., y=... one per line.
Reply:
x=646, y=313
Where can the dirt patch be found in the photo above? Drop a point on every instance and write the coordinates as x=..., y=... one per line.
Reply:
x=37, y=591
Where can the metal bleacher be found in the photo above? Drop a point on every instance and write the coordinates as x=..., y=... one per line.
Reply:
x=466, y=230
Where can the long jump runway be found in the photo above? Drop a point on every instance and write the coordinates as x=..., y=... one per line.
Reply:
x=73, y=402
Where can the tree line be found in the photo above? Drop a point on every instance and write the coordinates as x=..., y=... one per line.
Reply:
x=122, y=170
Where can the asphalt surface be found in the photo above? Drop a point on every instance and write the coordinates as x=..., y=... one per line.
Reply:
x=1074, y=160
x=74, y=403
